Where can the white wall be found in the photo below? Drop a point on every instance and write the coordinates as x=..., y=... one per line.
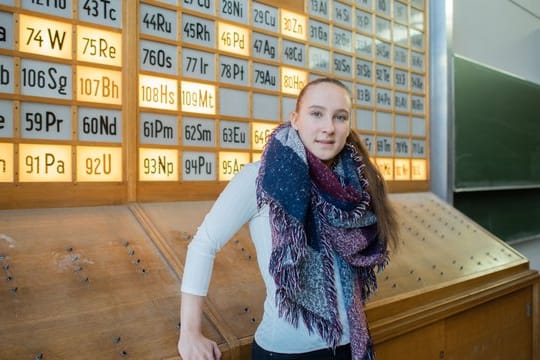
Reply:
x=504, y=34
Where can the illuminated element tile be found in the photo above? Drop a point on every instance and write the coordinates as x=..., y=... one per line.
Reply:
x=293, y=25
x=293, y=80
x=233, y=39
x=6, y=162
x=402, y=169
x=99, y=46
x=96, y=164
x=44, y=37
x=158, y=164
x=44, y=163
x=198, y=98
x=99, y=85
x=418, y=169
x=386, y=167
x=259, y=134
x=158, y=92
x=230, y=163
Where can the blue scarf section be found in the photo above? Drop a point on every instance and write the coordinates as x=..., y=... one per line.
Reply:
x=321, y=223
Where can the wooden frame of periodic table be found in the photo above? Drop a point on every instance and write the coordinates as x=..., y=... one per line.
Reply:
x=212, y=79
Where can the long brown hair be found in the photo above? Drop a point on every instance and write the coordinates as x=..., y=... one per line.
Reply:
x=386, y=216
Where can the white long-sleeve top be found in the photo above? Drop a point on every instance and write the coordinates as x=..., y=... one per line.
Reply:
x=235, y=206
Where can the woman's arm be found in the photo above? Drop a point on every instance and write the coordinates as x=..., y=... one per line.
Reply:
x=235, y=206
x=192, y=344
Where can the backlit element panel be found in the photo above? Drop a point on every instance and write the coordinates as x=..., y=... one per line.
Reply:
x=6, y=162
x=198, y=98
x=293, y=25
x=233, y=39
x=158, y=92
x=44, y=37
x=99, y=46
x=44, y=163
x=99, y=85
x=231, y=163
x=99, y=163
x=158, y=165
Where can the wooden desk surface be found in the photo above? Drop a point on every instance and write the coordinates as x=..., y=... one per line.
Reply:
x=103, y=282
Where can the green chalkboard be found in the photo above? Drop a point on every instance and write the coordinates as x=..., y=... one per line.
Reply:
x=497, y=128
x=509, y=214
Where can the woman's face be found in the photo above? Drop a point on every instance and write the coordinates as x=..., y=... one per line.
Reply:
x=323, y=119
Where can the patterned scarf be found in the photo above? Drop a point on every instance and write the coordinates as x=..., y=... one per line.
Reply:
x=321, y=220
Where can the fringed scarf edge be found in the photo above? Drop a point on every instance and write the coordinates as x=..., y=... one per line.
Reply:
x=283, y=267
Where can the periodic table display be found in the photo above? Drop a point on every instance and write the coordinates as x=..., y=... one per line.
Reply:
x=151, y=100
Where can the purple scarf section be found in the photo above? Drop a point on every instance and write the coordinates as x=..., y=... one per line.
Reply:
x=321, y=222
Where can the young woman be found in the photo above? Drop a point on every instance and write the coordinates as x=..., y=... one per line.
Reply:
x=321, y=223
